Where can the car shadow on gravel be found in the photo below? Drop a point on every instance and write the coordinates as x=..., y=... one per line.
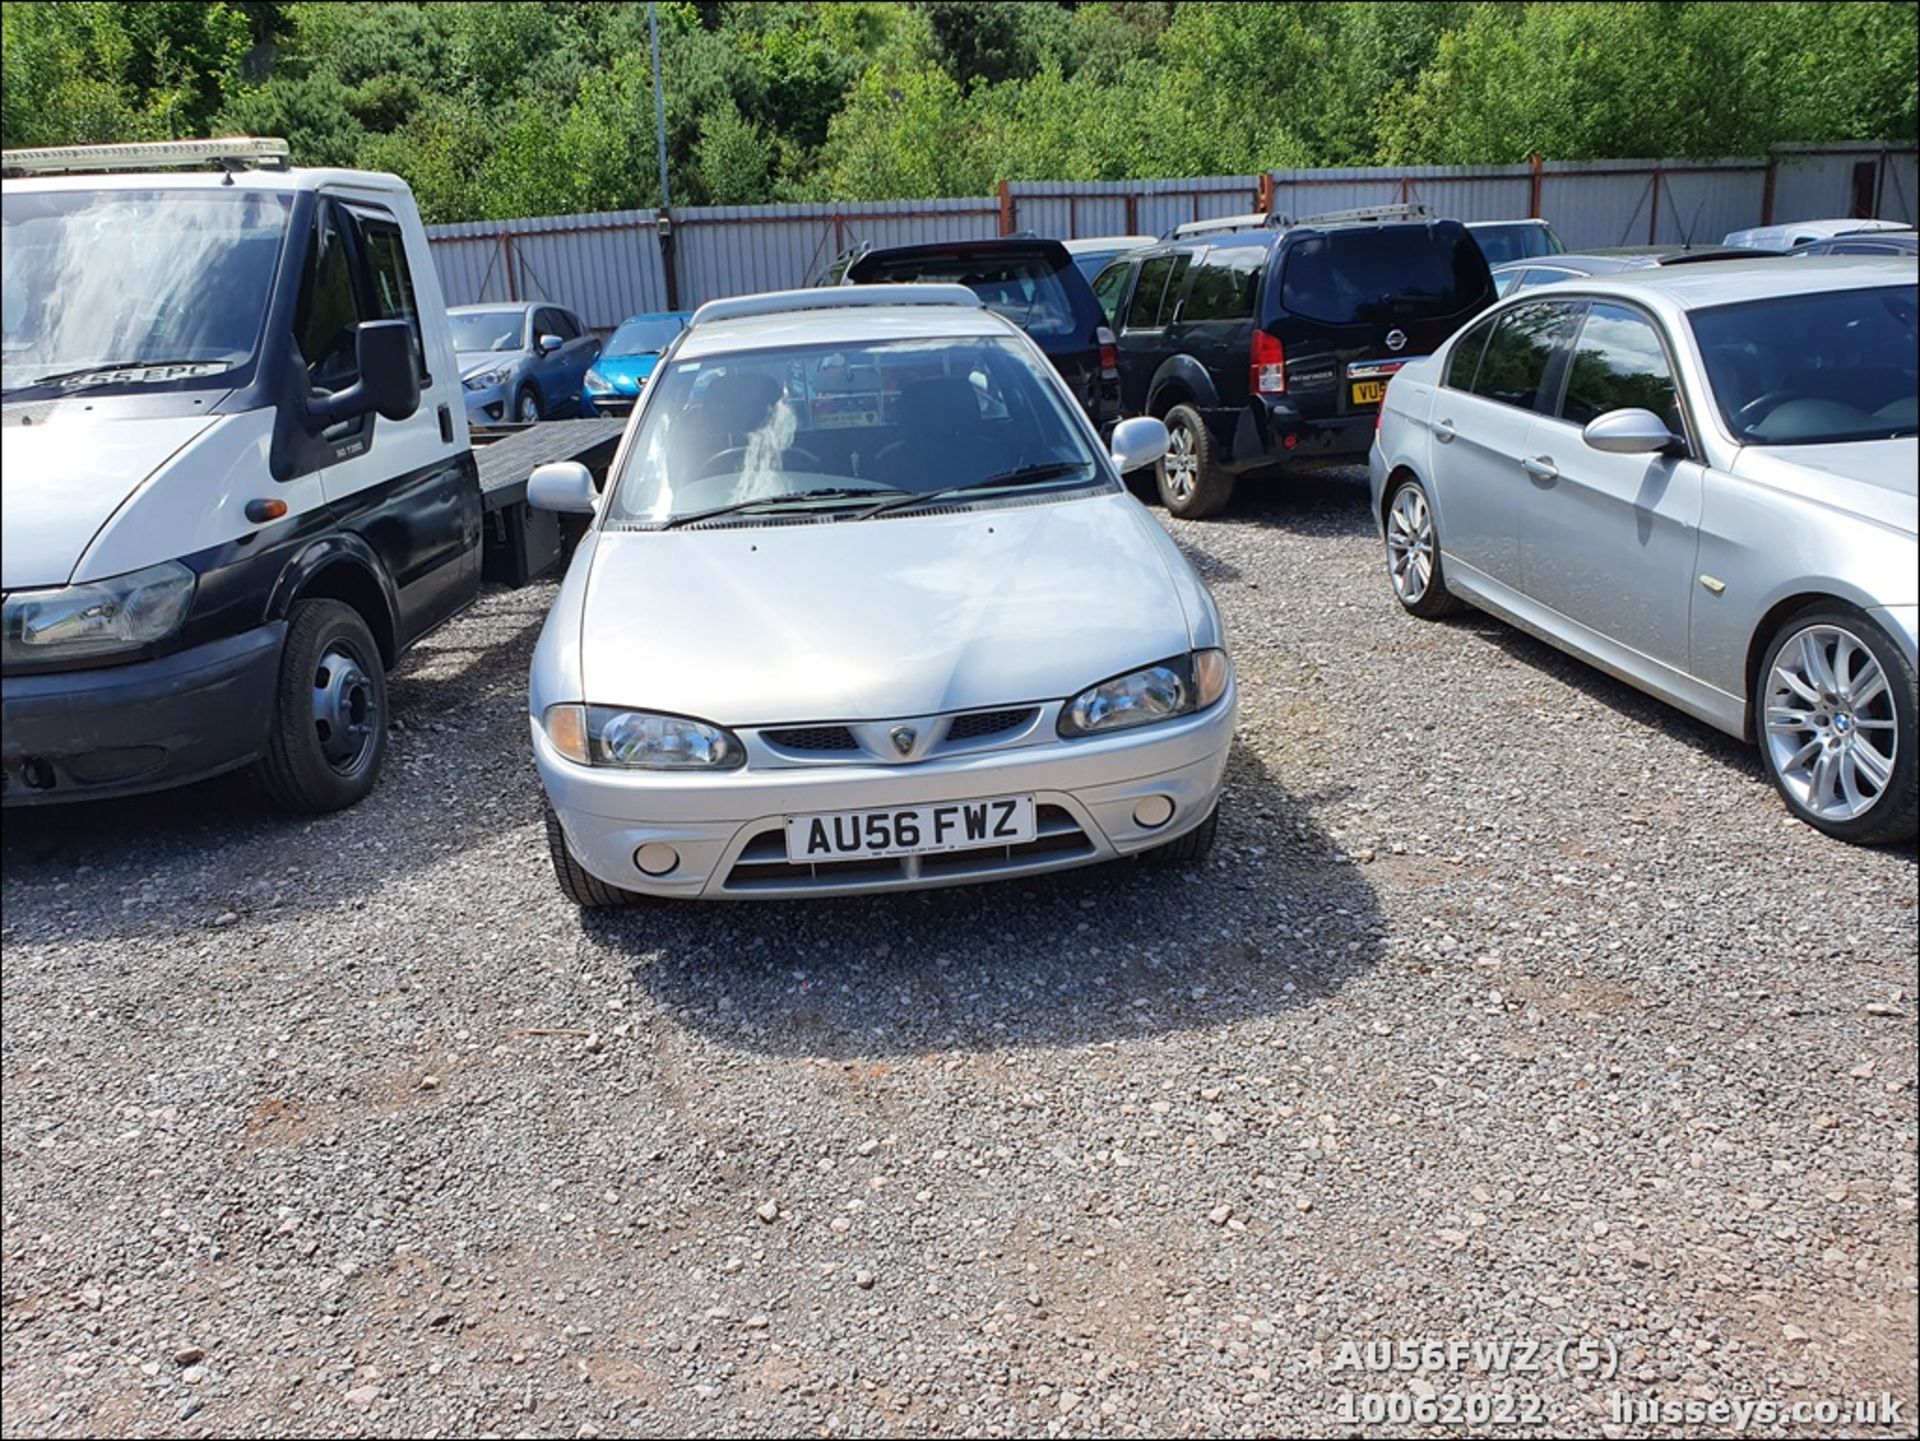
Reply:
x=457, y=774
x=1329, y=502
x=1276, y=918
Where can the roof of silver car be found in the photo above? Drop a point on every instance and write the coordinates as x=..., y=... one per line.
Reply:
x=833, y=297
x=868, y=323
x=1729, y=282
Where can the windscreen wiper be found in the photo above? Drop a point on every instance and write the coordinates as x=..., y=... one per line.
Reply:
x=831, y=492
x=1026, y=474
x=118, y=365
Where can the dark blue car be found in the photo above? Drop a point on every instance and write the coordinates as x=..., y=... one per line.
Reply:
x=613, y=384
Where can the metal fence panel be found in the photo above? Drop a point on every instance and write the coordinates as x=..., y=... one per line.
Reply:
x=604, y=267
x=1069, y=210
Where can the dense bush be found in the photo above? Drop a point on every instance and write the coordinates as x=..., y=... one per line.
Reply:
x=495, y=110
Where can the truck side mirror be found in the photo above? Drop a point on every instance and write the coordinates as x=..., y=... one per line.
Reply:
x=388, y=383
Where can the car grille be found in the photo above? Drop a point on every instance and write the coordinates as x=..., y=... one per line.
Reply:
x=812, y=738
x=763, y=865
x=988, y=723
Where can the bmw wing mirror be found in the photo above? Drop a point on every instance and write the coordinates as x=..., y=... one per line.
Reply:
x=1630, y=431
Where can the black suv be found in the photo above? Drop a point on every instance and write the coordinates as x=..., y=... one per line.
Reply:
x=1262, y=341
x=1033, y=283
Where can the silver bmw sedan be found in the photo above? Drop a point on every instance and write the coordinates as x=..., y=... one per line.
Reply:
x=866, y=607
x=1702, y=480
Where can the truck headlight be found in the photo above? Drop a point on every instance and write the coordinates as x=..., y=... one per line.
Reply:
x=602, y=735
x=99, y=618
x=487, y=379
x=1174, y=687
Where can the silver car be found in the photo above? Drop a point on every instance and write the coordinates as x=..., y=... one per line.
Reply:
x=521, y=362
x=865, y=607
x=1702, y=480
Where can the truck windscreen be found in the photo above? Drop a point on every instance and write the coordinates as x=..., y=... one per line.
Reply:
x=135, y=289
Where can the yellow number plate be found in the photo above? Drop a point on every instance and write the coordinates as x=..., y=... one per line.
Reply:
x=1368, y=392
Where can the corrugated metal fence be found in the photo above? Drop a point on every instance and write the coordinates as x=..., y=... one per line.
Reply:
x=619, y=263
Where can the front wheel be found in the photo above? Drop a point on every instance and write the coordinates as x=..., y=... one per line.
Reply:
x=1190, y=849
x=1413, y=554
x=1836, y=722
x=577, y=883
x=526, y=409
x=329, y=732
x=1192, y=484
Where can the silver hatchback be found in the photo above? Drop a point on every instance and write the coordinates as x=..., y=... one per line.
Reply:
x=1701, y=480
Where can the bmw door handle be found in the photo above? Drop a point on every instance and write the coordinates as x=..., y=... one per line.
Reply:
x=1540, y=467
x=1443, y=431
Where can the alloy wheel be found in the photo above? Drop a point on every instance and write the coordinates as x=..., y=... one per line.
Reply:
x=1182, y=464
x=528, y=409
x=1831, y=729
x=1410, y=544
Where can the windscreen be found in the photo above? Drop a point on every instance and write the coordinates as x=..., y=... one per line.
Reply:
x=136, y=289
x=1023, y=287
x=488, y=329
x=643, y=337
x=1817, y=369
x=1391, y=274
x=832, y=427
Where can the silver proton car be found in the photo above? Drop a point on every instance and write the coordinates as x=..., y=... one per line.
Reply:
x=1702, y=480
x=865, y=607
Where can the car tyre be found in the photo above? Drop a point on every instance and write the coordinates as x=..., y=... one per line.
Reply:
x=526, y=405
x=1413, y=554
x=1190, y=849
x=1192, y=485
x=577, y=884
x=328, y=736
x=1834, y=708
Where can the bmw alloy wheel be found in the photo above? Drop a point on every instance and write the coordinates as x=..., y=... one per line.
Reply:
x=1831, y=728
x=1410, y=544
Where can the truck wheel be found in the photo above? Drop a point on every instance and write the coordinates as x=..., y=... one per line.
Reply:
x=329, y=731
x=577, y=884
x=526, y=405
x=1192, y=486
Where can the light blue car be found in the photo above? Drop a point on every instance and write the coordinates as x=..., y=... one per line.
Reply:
x=614, y=380
x=521, y=362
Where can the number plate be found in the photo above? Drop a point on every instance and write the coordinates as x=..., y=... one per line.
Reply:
x=910, y=830
x=1368, y=392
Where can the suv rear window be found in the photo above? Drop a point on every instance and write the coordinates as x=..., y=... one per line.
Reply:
x=1384, y=275
x=1024, y=288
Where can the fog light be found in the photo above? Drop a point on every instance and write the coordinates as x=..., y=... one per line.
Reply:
x=656, y=858
x=1153, y=812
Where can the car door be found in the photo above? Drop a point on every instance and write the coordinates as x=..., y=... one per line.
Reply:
x=405, y=487
x=550, y=367
x=579, y=349
x=1483, y=420
x=1610, y=540
x=1141, y=341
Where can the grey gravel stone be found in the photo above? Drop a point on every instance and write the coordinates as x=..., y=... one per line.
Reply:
x=1592, y=976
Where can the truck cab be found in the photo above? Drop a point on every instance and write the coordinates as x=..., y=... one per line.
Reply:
x=237, y=476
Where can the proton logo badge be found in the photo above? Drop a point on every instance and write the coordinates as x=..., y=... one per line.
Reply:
x=903, y=738
x=1396, y=339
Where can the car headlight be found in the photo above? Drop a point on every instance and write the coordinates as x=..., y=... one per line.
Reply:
x=98, y=618
x=602, y=735
x=598, y=384
x=487, y=379
x=1174, y=687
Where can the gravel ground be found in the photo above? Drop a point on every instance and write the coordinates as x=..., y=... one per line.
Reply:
x=1512, y=1006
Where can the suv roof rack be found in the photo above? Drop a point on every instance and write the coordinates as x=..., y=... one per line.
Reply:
x=1259, y=221
x=833, y=297
x=230, y=153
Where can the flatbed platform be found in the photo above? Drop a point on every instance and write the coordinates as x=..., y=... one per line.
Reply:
x=521, y=542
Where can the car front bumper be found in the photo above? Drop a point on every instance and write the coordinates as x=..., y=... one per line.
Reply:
x=488, y=406
x=119, y=730
x=729, y=830
x=613, y=403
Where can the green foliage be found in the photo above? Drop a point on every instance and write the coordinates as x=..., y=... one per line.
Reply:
x=499, y=109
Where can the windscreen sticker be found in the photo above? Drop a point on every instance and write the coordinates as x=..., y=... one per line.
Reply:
x=144, y=374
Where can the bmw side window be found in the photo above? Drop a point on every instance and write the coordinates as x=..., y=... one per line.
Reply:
x=328, y=309
x=1513, y=367
x=1620, y=364
x=1109, y=287
x=385, y=250
x=1466, y=356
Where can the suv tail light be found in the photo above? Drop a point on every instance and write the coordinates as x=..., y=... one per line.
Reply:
x=1109, y=354
x=1267, y=370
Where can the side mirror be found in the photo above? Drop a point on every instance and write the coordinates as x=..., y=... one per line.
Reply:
x=1630, y=432
x=1138, y=443
x=565, y=486
x=547, y=344
x=388, y=385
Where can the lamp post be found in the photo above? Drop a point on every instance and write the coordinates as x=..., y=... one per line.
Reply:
x=659, y=102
